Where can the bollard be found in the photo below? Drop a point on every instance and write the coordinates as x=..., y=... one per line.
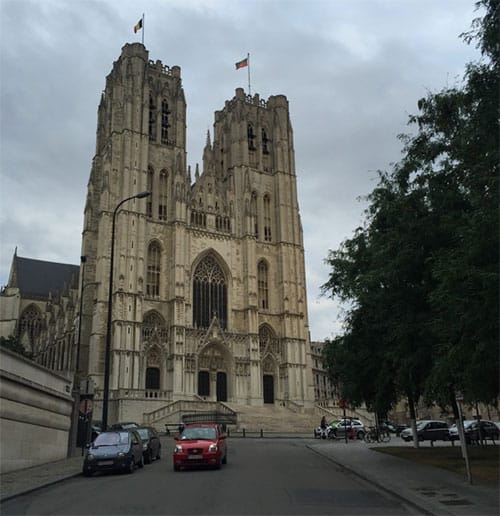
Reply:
x=244, y=433
x=261, y=432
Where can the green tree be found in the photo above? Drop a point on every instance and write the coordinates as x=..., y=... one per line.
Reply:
x=421, y=276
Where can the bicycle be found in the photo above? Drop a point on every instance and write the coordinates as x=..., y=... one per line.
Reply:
x=375, y=435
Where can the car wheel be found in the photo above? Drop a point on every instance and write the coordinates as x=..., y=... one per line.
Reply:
x=131, y=466
x=158, y=455
x=88, y=472
x=361, y=435
x=149, y=457
x=141, y=462
x=224, y=460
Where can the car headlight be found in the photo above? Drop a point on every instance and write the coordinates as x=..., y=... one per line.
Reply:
x=90, y=456
x=178, y=448
x=121, y=454
x=212, y=448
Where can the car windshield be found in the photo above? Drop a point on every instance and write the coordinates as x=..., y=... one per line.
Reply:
x=421, y=424
x=198, y=432
x=144, y=433
x=111, y=439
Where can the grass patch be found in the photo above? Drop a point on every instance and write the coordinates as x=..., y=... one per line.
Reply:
x=484, y=460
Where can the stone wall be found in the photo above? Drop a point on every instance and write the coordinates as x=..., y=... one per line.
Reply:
x=35, y=413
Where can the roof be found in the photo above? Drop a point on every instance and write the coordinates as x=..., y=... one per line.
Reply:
x=37, y=278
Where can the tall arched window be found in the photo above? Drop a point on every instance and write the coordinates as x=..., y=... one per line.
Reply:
x=263, y=285
x=153, y=270
x=265, y=141
x=209, y=293
x=267, y=218
x=149, y=201
x=162, y=204
x=30, y=324
x=251, y=137
x=152, y=119
x=164, y=121
x=253, y=209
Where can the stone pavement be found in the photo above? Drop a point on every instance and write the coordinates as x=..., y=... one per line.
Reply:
x=429, y=490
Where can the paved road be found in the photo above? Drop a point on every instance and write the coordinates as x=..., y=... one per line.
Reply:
x=262, y=477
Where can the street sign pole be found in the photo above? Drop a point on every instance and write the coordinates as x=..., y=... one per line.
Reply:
x=465, y=453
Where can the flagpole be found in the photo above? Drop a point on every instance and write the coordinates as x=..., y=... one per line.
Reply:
x=248, y=60
x=143, y=29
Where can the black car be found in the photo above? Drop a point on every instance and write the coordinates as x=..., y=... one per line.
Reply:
x=151, y=445
x=124, y=426
x=471, y=430
x=119, y=450
x=428, y=430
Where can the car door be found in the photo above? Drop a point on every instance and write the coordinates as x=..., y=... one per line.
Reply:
x=136, y=445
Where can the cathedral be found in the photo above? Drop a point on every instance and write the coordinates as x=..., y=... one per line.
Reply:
x=208, y=289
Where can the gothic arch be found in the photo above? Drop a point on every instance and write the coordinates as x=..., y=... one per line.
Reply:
x=269, y=343
x=210, y=280
x=215, y=368
x=154, y=330
x=30, y=325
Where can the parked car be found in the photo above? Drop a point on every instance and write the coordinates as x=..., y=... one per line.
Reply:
x=200, y=444
x=151, y=445
x=123, y=426
x=393, y=428
x=428, y=430
x=352, y=426
x=489, y=430
x=119, y=450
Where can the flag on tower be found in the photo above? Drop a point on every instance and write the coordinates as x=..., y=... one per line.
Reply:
x=138, y=26
x=242, y=63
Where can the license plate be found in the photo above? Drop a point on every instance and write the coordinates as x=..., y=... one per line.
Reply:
x=195, y=457
x=105, y=463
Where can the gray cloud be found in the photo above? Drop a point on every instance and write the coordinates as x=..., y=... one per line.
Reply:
x=352, y=71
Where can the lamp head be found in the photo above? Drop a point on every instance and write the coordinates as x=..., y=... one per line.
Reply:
x=142, y=195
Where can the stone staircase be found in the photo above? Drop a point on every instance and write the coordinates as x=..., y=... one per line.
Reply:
x=273, y=418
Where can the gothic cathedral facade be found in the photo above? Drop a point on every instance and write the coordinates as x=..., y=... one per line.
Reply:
x=209, y=289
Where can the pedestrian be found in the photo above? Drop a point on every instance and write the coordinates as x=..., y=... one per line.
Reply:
x=181, y=427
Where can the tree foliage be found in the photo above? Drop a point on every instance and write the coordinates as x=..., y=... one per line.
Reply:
x=421, y=275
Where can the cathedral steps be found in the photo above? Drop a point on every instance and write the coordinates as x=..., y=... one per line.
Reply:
x=273, y=418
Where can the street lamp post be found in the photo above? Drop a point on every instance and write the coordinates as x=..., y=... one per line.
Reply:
x=107, y=356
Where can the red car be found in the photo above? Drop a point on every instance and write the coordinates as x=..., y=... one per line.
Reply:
x=200, y=444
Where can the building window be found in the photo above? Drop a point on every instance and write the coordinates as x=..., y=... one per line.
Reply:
x=265, y=142
x=30, y=324
x=267, y=218
x=152, y=378
x=251, y=137
x=149, y=202
x=253, y=209
x=164, y=121
x=198, y=219
x=152, y=120
x=162, y=205
x=153, y=270
x=209, y=294
x=263, y=285
x=203, y=383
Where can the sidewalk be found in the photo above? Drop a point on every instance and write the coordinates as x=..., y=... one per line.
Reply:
x=429, y=490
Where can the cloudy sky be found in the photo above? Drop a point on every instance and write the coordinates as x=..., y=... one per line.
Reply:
x=352, y=71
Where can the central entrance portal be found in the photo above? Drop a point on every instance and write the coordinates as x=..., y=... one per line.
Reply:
x=221, y=388
x=268, y=388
